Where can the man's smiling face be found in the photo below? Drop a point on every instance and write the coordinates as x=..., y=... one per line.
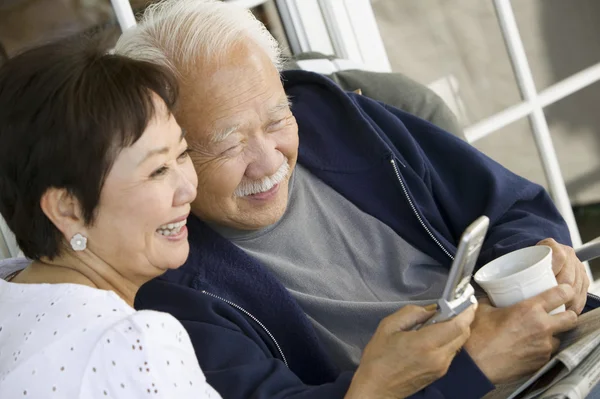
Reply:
x=243, y=139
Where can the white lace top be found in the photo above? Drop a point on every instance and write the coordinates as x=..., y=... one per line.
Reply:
x=73, y=341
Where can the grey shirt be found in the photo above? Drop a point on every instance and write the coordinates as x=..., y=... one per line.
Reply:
x=346, y=269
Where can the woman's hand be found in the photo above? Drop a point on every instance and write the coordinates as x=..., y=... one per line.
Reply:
x=398, y=362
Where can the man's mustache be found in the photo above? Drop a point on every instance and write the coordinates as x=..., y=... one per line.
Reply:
x=248, y=187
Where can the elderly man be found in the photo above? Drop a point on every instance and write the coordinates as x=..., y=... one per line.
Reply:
x=313, y=223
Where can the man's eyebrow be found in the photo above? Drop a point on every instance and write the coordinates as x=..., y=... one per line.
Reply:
x=222, y=134
x=283, y=105
x=160, y=151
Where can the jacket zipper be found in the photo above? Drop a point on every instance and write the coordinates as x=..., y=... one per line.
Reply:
x=244, y=311
x=414, y=209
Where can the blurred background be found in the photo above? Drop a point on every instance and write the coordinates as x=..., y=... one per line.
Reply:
x=455, y=47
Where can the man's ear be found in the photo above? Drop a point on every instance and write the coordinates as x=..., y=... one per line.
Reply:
x=64, y=211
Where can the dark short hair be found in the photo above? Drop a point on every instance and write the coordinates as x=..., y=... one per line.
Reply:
x=66, y=110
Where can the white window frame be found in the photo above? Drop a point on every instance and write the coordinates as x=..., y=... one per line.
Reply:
x=348, y=29
x=351, y=26
x=124, y=13
x=305, y=26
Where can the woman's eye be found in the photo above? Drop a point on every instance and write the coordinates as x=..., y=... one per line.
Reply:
x=159, y=172
x=184, y=154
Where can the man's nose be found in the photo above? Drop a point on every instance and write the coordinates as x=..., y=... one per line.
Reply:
x=265, y=162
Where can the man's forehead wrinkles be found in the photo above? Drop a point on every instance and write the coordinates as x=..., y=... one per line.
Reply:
x=223, y=107
x=226, y=107
x=230, y=110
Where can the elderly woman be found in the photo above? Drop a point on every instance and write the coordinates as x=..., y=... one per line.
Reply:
x=96, y=184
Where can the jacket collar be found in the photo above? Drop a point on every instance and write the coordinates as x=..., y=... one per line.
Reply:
x=317, y=103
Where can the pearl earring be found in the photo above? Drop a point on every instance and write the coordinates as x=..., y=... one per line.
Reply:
x=78, y=242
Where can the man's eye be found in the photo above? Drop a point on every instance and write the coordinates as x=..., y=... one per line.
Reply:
x=231, y=149
x=159, y=172
x=278, y=124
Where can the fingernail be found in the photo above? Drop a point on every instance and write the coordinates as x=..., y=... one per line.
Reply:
x=431, y=308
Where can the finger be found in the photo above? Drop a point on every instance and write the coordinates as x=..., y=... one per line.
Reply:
x=405, y=319
x=584, y=291
x=559, y=255
x=468, y=315
x=454, y=346
x=577, y=285
x=547, y=241
x=441, y=334
x=563, y=321
x=555, y=344
x=431, y=308
x=567, y=275
x=457, y=343
x=581, y=287
x=552, y=298
x=586, y=280
x=484, y=301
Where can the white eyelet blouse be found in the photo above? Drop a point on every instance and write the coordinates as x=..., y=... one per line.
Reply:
x=73, y=341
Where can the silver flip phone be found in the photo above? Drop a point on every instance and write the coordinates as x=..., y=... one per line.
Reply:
x=458, y=293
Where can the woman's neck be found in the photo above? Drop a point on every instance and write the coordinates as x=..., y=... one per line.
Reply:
x=68, y=270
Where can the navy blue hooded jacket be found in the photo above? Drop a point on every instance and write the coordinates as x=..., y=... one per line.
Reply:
x=251, y=337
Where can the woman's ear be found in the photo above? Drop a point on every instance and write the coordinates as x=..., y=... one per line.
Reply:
x=64, y=211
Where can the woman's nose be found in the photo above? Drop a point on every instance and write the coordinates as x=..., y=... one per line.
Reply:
x=187, y=187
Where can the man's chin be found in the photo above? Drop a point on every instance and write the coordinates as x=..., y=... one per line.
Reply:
x=261, y=214
x=256, y=221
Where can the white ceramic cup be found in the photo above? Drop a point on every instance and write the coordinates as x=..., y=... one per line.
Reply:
x=518, y=275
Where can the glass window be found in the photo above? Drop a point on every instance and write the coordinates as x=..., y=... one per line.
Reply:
x=455, y=45
x=560, y=37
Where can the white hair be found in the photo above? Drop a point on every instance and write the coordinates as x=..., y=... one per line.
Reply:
x=179, y=34
x=249, y=187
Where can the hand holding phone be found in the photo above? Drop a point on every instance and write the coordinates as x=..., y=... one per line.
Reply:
x=458, y=293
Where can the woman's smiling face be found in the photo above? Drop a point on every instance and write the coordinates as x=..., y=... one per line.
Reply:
x=139, y=227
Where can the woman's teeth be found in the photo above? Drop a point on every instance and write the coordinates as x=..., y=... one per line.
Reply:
x=171, y=229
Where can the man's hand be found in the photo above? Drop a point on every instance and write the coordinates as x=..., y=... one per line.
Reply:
x=568, y=269
x=398, y=362
x=509, y=343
